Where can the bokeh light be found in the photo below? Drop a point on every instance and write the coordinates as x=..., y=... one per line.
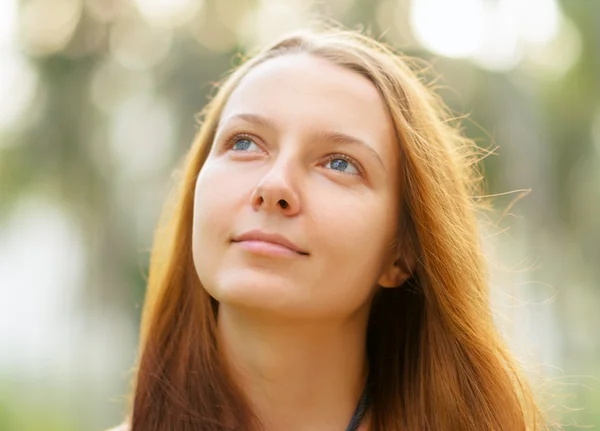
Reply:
x=168, y=12
x=47, y=26
x=501, y=49
x=558, y=55
x=537, y=20
x=8, y=24
x=18, y=84
x=453, y=29
x=107, y=11
x=141, y=136
x=270, y=19
x=497, y=35
x=112, y=83
x=136, y=45
x=42, y=257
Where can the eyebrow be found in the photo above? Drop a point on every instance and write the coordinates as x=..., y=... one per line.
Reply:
x=326, y=135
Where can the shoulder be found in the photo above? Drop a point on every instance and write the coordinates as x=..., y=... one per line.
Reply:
x=122, y=427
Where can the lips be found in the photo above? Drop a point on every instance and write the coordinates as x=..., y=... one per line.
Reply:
x=274, y=238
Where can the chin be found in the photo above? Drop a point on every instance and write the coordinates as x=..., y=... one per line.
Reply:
x=247, y=289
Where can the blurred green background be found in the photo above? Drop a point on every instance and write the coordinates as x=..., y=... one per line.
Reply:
x=97, y=105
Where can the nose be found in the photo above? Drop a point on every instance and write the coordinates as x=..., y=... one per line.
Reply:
x=276, y=192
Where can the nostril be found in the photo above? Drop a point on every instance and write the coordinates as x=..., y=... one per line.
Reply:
x=283, y=204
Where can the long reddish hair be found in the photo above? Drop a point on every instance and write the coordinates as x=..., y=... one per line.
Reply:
x=437, y=359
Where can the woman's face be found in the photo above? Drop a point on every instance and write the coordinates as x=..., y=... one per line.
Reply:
x=306, y=150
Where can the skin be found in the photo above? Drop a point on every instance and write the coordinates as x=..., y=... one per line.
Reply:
x=292, y=328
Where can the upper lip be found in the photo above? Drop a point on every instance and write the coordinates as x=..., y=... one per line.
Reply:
x=258, y=235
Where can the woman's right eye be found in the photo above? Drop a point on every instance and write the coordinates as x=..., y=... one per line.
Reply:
x=243, y=143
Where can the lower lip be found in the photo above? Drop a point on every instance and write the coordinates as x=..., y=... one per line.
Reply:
x=266, y=248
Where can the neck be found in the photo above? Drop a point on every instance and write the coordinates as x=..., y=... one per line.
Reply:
x=300, y=375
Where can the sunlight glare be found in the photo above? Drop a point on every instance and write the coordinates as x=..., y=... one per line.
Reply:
x=18, y=84
x=168, y=12
x=43, y=259
x=142, y=136
x=500, y=50
x=453, y=29
x=8, y=24
x=538, y=21
x=48, y=26
x=270, y=20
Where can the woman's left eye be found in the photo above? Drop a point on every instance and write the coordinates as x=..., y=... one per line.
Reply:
x=340, y=162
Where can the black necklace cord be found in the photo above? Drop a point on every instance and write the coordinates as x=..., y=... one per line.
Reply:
x=359, y=412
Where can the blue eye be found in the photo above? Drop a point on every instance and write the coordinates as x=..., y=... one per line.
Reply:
x=242, y=144
x=340, y=162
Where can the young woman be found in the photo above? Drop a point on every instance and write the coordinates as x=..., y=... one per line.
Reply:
x=320, y=267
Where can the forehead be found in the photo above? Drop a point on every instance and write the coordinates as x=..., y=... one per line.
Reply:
x=303, y=93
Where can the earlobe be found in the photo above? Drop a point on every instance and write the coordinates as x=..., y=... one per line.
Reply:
x=396, y=274
x=393, y=277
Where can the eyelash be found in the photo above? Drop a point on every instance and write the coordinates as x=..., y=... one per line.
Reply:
x=233, y=139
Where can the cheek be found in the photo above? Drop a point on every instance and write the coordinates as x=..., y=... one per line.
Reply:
x=362, y=222
x=209, y=196
x=215, y=199
x=356, y=233
x=218, y=191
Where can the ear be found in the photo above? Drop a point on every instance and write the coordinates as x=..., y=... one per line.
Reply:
x=397, y=270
